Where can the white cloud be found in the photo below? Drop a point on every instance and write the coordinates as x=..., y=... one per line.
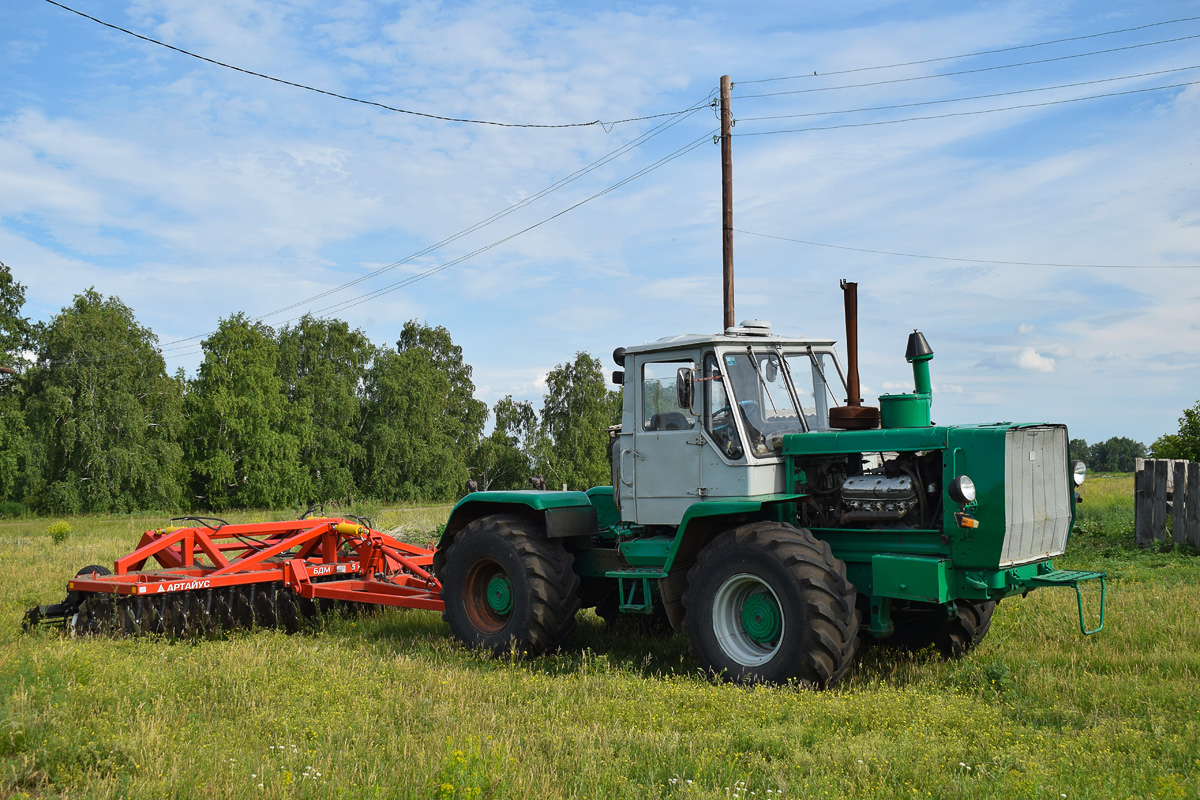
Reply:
x=1029, y=359
x=1025, y=329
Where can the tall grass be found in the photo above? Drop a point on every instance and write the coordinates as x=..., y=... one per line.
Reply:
x=388, y=706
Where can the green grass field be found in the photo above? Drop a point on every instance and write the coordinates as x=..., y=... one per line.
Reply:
x=388, y=706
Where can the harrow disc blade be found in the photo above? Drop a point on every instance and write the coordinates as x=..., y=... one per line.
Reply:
x=150, y=618
x=175, y=615
x=125, y=622
x=93, y=617
x=221, y=612
x=266, y=613
x=243, y=607
x=289, y=611
x=200, y=621
x=308, y=609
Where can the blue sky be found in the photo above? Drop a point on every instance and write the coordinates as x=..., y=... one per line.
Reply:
x=193, y=192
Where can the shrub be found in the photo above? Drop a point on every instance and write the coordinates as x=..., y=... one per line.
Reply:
x=59, y=531
x=11, y=509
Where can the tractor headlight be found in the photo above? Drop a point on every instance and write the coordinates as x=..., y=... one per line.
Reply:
x=962, y=490
x=1078, y=472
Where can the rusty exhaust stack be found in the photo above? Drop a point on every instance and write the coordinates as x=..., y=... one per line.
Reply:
x=853, y=416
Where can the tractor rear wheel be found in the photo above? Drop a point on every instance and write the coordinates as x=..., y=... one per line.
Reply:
x=509, y=589
x=767, y=602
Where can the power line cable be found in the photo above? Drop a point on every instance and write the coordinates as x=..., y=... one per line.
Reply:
x=968, y=113
x=682, y=151
x=978, y=53
x=348, y=304
x=602, y=161
x=345, y=305
x=959, y=72
x=606, y=125
x=970, y=260
x=964, y=99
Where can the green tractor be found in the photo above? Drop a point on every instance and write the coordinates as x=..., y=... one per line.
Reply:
x=777, y=529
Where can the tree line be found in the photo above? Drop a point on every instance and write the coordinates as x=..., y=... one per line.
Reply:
x=1117, y=454
x=312, y=412
x=1120, y=454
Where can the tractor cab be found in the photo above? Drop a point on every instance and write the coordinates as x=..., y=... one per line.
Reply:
x=705, y=416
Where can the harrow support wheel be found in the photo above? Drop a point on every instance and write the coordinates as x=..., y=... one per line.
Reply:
x=509, y=589
x=767, y=602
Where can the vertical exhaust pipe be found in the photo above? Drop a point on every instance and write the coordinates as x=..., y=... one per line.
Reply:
x=853, y=416
x=850, y=298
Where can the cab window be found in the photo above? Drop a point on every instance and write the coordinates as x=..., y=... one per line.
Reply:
x=718, y=412
x=660, y=409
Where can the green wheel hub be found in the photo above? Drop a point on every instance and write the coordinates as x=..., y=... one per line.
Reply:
x=499, y=594
x=761, y=619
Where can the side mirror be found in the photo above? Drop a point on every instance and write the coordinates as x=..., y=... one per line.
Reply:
x=771, y=369
x=684, y=387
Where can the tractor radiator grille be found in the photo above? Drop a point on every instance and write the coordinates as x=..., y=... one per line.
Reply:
x=1037, y=494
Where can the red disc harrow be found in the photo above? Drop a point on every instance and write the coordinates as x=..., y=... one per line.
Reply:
x=217, y=576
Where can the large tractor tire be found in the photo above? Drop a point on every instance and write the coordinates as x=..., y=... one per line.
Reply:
x=508, y=589
x=768, y=602
x=920, y=627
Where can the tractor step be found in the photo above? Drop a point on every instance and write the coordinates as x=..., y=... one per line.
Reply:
x=1070, y=577
x=634, y=589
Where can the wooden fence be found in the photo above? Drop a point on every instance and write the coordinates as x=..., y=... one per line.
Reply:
x=1167, y=488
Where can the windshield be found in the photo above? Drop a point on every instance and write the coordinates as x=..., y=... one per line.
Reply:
x=780, y=392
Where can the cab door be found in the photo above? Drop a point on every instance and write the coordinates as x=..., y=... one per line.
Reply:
x=667, y=443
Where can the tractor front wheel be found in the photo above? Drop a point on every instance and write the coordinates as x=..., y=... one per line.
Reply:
x=509, y=589
x=768, y=602
x=923, y=626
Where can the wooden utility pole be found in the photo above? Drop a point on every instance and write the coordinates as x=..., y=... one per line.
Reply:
x=727, y=201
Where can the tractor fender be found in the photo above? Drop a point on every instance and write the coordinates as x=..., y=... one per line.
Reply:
x=704, y=521
x=558, y=515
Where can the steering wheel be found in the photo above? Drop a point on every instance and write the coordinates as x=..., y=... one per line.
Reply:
x=725, y=432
